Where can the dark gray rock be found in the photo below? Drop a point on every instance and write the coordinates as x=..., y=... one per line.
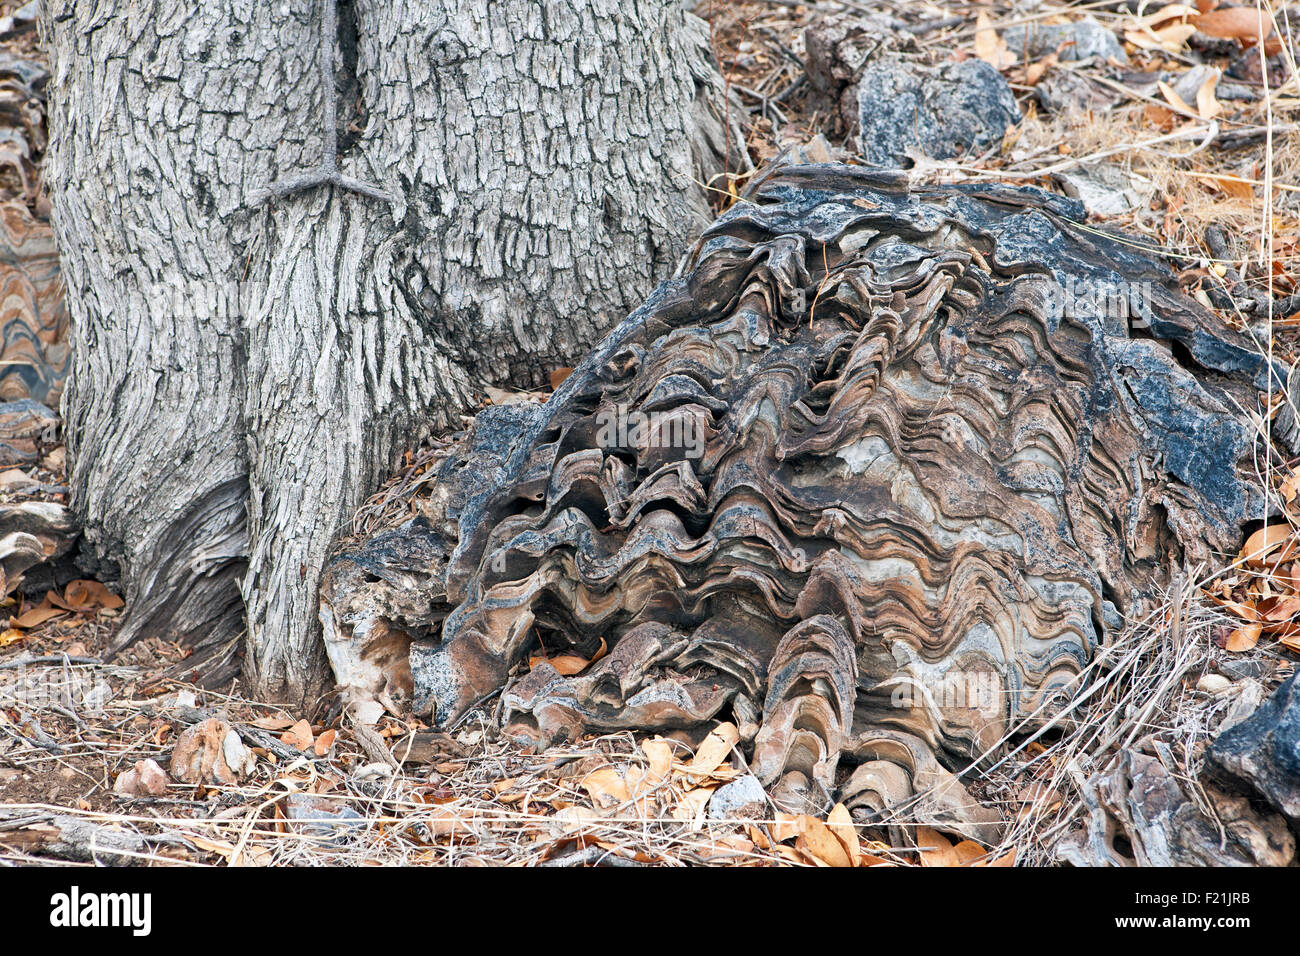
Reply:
x=1236, y=669
x=1075, y=41
x=947, y=111
x=1064, y=90
x=1261, y=755
x=1138, y=814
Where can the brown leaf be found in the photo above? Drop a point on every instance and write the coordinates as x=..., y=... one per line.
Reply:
x=840, y=823
x=1035, y=71
x=785, y=826
x=690, y=809
x=37, y=615
x=1279, y=609
x=990, y=47
x=324, y=742
x=1243, y=638
x=1174, y=99
x=299, y=735
x=1234, y=23
x=1170, y=11
x=1231, y=186
x=1168, y=38
x=273, y=723
x=1267, y=540
x=1290, y=486
x=566, y=665
x=642, y=780
x=1007, y=859
x=935, y=848
x=967, y=852
x=817, y=840
x=558, y=376
x=660, y=754
x=1159, y=116
x=1207, y=106
x=84, y=595
x=715, y=748
x=1245, y=611
x=607, y=787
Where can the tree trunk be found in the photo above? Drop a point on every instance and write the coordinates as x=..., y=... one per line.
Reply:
x=245, y=373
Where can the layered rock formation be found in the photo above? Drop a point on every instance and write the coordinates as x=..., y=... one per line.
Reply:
x=874, y=479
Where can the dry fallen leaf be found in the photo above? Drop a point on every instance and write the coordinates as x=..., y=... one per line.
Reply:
x=1275, y=610
x=818, y=841
x=1035, y=71
x=1267, y=540
x=607, y=787
x=1231, y=186
x=37, y=615
x=1174, y=99
x=1243, y=638
x=715, y=748
x=660, y=754
x=1171, y=11
x=691, y=807
x=1207, y=106
x=1235, y=23
x=840, y=823
x=1168, y=38
x=234, y=856
x=1290, y=486
x=940, y=851
x=990, y=47
x=567, y=665
x=967, y=852
x=273, y=723
x=299, y=735
x=935, y=848
x=324, y=742
x=643, y=780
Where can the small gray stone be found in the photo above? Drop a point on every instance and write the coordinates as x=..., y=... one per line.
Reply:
x=1076, y=41
x=955, y=109
x=1105, y=189
x=1064, y=90
x=324, y=818
x=1239, y=669
x=743, y=797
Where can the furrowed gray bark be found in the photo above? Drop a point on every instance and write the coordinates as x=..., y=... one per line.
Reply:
x=162, y=117
x=543, y=161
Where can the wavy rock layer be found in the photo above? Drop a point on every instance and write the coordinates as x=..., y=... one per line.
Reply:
x=874, y=479
x=33, y=318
